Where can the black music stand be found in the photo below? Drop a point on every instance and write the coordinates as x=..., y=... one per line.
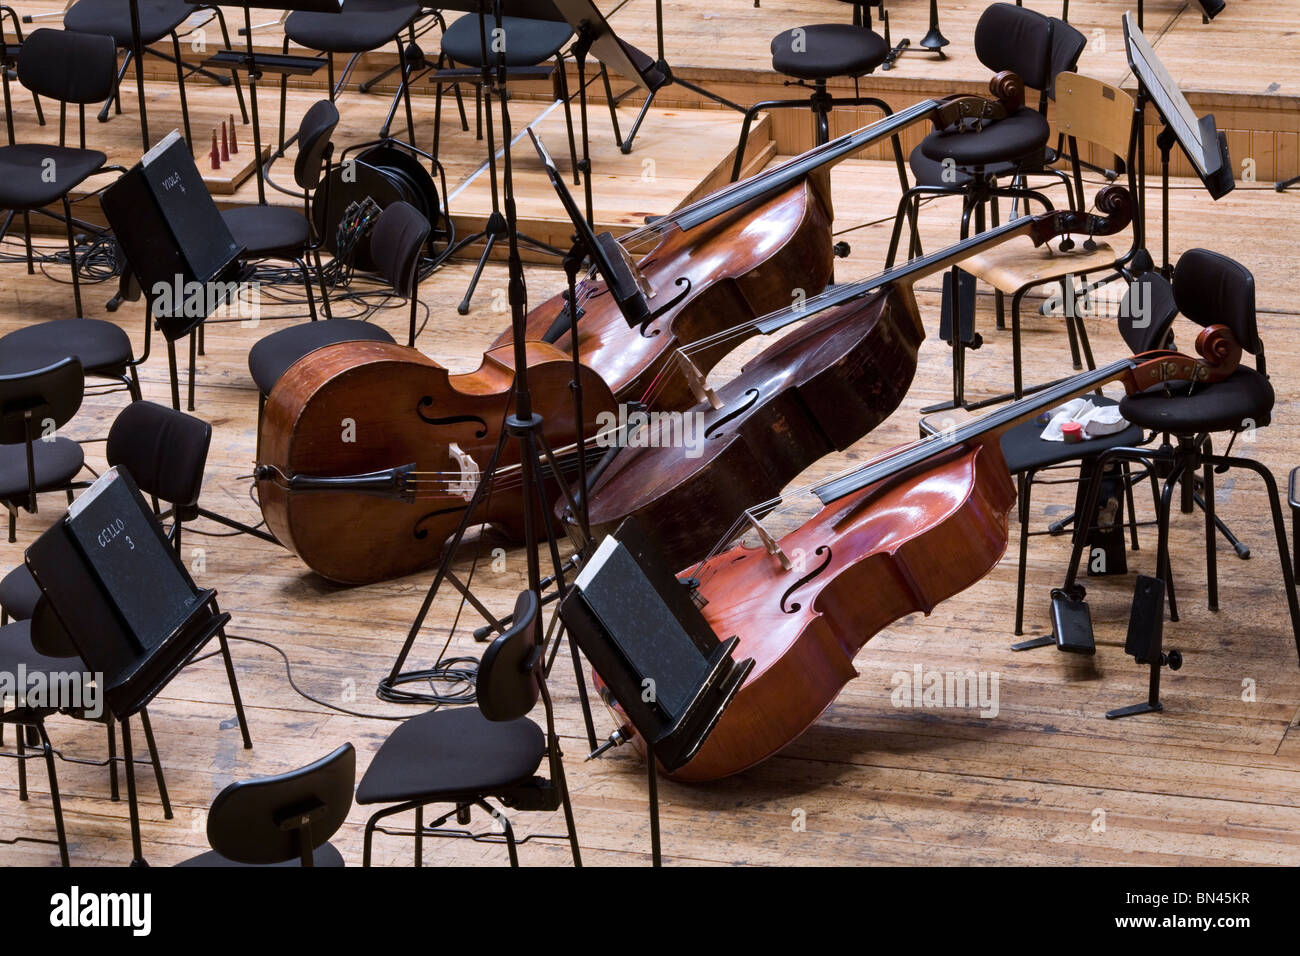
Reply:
x=1204, y=145
x=523, y=426
x=253, y=65
x=636, y=623
x=170, y=229
x=492, y=77
x=631, y=63
x=126, y=601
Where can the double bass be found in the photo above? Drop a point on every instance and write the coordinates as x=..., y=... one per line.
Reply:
x=901, y=534
x=819, y=389
x=739, y=253
x=369, y=452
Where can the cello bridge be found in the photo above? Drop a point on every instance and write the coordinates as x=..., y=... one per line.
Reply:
x=466, y=484
x=769, y=542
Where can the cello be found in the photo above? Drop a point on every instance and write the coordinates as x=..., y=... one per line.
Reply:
x=817, y=390
x=370, y=452
x=721, y=262
x=900, y=534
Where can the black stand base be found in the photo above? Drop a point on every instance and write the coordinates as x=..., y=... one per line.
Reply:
x=1287, y=184
x=495, y=231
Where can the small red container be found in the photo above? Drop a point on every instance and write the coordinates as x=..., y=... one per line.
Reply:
x=1072, y=432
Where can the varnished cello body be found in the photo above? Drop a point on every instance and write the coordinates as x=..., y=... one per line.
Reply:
x=867, y=562
x=831, y=380
x=816, y=391
x=357, y=407
x=899, y=535
x=740, y=265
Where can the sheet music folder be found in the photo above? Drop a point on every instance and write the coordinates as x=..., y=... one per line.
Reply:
x=657, y=655
x=1205, y=146
x=121, y=592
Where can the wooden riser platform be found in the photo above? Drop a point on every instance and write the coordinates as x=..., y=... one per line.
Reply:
x=1244, y=66
x=687, y=153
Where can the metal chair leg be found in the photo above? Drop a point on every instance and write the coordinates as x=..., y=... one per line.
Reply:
x=234, y=690
x=113, y=792
x=22, y=762
x=419, y=836
x=1026, y=484
x=157, y=764
x=55, y=803
x=180, y=83
x=72, y=254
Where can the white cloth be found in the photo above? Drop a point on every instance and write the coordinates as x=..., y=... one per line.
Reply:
x=1097, y=420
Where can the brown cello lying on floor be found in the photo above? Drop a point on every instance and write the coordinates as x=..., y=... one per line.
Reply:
x=842, y=372
x=741, y=252
x=898, y=535
x=369, y=452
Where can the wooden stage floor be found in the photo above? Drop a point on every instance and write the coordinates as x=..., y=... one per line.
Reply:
x=1213, y=780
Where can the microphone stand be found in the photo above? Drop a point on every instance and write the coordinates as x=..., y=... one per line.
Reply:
x=523, y=425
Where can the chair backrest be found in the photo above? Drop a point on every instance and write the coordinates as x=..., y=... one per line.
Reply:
x=507, y=687
x=258, y=822
x=1146, y=313
x=1211, y=289
x=314, y=134
x=32, y=404
x=1094, y=112
x=527, y=9
x=163, y=449
x=396, y=244
x=68, y=66
x=49, y=636
x=1033, y=46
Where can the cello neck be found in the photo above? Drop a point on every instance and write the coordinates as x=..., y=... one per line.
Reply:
x=980, y=429
x=904, y=275
x=795, y=170
x=1114, y=202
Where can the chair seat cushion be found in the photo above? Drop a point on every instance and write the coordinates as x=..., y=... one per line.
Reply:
x=1021, y=137
x=16, y=648
x=19, y=593
x=451, y=752
x=824, y=50
x=268, y=230
x=360, y=26
x=1242, y=401
x=1025, y=450
x=271, y=357
x=930, y=172
x=528, y=42
x=23, y=176
x=158, y=18
x=98, y=344
x=323, y=855
x=56, y=464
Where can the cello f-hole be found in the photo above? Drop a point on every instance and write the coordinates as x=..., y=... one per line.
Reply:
x=796, y=606
x=751, y=397
x=427, y=401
